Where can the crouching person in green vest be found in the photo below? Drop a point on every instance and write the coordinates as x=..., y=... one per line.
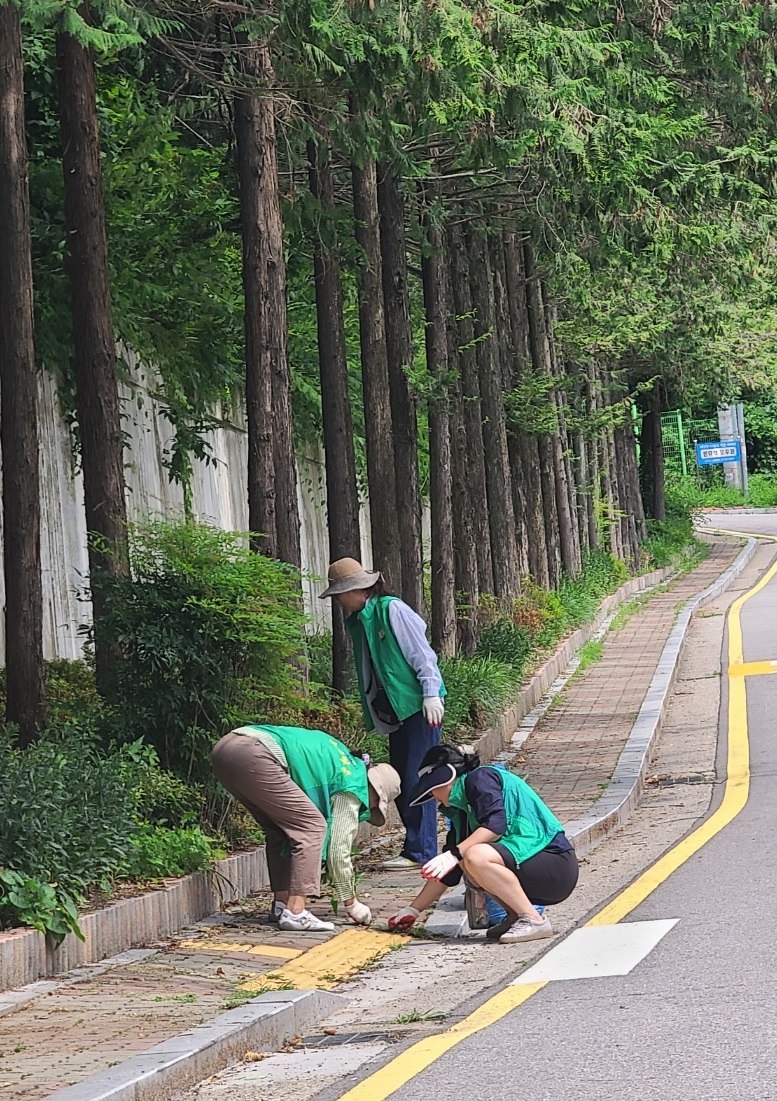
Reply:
x=309, y=794
x=503, y=838
x=401, y=690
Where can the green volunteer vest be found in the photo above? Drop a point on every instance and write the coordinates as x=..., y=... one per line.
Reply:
x=530, y=824
x=322, y=767
x=396, y=676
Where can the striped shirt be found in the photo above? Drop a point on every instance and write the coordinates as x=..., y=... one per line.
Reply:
x=342, y=830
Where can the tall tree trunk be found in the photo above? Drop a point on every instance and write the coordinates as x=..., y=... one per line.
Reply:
x=582, y=490
x=593, y=500
x=636, y=505
x=504, y=552
x=556, y=538
x=470, y=393
x=625, y=498
x=519, y=321
x=381, y=477
x=464, y=552
x=287, y=518
x=94, y=346
x=399, y=348
x=654, y=489
x=567, y=515
x=440, y=488
x=18, y=404
x=341, y=489
x=507, y=355
x=273, y=513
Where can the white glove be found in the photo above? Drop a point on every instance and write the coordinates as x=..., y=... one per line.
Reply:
x=404, y=918
x=359, y=913
x=439, y=866
x=434, y=710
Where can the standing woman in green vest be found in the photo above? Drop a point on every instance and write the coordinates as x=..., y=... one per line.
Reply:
x=503, y=838
x=309, y=794
x=401, y=690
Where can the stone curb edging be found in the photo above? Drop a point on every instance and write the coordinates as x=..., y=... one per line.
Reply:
x=734, y=511
x=26, y=956
x=260, y=1025
x=616, y=805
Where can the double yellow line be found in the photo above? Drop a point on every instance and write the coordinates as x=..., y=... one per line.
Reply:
x=420, y=1055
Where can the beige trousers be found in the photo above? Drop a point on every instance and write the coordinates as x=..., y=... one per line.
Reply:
x=250, y=772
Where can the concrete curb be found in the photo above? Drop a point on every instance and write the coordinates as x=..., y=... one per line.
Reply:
x=620, y=800
x=734, y=511
x=27, y=956
x=261, y=1025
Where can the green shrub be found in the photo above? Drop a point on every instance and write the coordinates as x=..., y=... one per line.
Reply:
x=68, y=812
x=667, y=539
x=505, y=642
x=77, y=816
x=479, y=690
x=67, y=824
x=762, y=491
x=158, y=851
x=685, y=496
x=209, y=635
x=320, y=658
x=159, y=795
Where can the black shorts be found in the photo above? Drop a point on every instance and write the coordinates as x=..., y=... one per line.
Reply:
x=547, y=878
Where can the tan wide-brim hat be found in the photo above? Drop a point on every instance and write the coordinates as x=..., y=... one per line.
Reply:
x=384, y=780
x=347, y=575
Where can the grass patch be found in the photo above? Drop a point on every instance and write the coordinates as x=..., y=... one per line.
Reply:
x=590, y=653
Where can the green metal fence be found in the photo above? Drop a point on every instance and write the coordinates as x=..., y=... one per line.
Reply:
x=680, y=433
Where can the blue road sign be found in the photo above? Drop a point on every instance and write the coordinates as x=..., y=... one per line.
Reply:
x=720, y=451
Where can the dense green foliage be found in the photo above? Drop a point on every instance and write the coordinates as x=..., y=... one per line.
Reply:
x=76, y=819
x=208, y=632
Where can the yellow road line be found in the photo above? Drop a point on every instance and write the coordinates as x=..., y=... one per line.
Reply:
x=270, y=950
x=752, y=668
x=325, y=965
x=737, y=781
x=743, y=534
x=384, y=1082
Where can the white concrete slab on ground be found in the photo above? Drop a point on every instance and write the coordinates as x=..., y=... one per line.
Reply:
x=598, y=952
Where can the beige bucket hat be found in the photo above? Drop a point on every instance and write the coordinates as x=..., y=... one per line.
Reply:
x=346, y=575
x=385, y=782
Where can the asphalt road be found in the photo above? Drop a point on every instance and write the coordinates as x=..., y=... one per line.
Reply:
x=695, y=1019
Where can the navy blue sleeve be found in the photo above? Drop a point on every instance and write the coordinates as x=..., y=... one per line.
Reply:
x=453, y=878
x=483, y=790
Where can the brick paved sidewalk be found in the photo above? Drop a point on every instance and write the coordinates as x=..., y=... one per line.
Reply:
x=82, y=1027
x=571, y=754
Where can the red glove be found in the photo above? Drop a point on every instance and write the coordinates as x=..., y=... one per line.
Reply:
x=404, y=918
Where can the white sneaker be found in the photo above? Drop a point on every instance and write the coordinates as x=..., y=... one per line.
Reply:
x=303, y=923
x=525, y=928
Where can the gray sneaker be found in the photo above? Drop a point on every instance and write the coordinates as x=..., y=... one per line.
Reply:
x=399, y=864
x=303, y=923
x=525, y=929
x=276, y=910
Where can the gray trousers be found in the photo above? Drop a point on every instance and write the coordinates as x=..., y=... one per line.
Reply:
x=250, y=772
